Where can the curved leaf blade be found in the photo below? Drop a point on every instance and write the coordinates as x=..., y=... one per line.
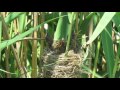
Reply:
x=107, y=45
x=106, y=18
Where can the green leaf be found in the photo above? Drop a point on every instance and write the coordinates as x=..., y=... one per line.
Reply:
x=85, y=24
x=6, y=71
x=90, y=71
x=0, y=36
x=21, y=21
x=116, y=19
x=63, y=28
x=107, y=45
x=71, y=16
x=12, y=16
x=21, y=36
x=106, y=18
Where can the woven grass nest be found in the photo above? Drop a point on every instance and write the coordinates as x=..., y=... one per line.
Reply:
x=61, y=66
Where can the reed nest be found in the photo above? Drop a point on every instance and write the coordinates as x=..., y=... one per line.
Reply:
x=61, y=66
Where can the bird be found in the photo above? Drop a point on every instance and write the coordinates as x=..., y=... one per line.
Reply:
x=59, y=45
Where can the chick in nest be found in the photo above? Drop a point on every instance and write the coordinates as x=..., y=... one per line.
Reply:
x=59, y=46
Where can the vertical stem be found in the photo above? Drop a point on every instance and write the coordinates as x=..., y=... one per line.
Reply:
x=22, y=59
x=91, y=45
x=116, y=62
x=34, y=48
x=69, y=35
x=16, y=32
x=0, y=37
x=6, y=36
x=25, y=53
x=68, y=42
x=7, y=51
x=96, y=58
x=42, y=41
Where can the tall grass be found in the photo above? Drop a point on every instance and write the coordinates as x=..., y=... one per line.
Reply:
x=23, y=41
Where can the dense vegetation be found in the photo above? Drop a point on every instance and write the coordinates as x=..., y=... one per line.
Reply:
x=59, y=44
